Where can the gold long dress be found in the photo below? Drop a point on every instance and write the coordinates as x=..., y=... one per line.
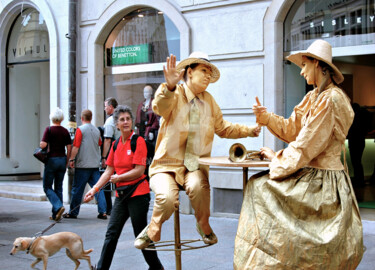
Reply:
x=302, y=213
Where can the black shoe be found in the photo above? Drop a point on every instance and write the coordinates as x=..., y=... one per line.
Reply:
x=102, y=216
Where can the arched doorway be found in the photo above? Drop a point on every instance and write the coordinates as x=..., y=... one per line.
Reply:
x=349, y=26
x=27, y=93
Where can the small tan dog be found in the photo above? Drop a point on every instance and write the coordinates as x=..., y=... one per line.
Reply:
x=45, y=246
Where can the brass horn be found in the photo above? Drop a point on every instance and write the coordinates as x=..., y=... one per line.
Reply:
x=238, y=153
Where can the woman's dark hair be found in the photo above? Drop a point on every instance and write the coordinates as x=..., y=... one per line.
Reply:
x=323, y=65
x=325, y=68
x=192, y=66
x=122, y=109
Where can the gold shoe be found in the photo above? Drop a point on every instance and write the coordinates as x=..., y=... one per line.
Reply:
x=142, y=241
x=207, y=239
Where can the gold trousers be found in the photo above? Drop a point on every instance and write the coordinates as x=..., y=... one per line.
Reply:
x=166, y=190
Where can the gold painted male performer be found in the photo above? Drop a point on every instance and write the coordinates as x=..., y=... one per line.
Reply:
x=190, y=118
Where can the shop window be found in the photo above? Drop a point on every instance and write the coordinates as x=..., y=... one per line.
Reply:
x=128, y=88
x=342, y=23
x=143, y=36
x=27, y=87
x=134, y=54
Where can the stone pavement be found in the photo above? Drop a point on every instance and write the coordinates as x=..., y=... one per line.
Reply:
x=25, y=218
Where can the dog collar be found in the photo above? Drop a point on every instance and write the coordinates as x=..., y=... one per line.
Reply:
x=31, y=243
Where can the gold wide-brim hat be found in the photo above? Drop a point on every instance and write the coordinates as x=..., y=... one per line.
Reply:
x=320, y=50
x=199, y=58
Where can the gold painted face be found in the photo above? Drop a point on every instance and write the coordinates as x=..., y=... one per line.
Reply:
x=199, y=78
x=308, y=70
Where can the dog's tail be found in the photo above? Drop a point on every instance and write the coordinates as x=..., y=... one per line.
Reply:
x=87, y=251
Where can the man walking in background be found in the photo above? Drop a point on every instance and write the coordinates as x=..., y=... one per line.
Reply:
x=85, y=158
x=111, y=133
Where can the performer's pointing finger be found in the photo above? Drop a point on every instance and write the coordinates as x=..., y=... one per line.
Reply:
x=257, y=100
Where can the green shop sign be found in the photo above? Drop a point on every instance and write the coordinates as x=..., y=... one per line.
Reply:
x=133, y=54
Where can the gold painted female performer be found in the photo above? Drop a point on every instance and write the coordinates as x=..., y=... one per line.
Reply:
x=302, y=213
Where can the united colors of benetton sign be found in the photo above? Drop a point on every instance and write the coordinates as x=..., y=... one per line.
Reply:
x=133, y=54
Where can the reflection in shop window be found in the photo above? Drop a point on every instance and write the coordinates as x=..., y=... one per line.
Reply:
x=29, y=38
x=128, y=88
x=340, y=22
x=143, y=36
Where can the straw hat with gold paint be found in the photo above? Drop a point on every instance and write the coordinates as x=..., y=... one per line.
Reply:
x=320, y=50
x=199, y=58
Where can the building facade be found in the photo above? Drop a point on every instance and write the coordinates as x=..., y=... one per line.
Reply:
x=122, y=46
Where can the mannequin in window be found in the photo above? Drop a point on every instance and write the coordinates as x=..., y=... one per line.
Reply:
x=147, y=122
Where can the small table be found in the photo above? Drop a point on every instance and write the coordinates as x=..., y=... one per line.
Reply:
x=226, y=162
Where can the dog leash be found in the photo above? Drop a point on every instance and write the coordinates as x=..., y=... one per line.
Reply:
x=39, y=234
x=64, y=215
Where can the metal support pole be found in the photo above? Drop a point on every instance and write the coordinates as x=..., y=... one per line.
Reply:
x=245, y=172
x=177, y=239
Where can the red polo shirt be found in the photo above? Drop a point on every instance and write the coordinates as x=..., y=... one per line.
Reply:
x=125, y=160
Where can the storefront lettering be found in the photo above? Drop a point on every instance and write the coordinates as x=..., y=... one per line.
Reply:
x=130, y=54
x=25, y=50
x=120, y=55
x=345, y=21
x=126, y=49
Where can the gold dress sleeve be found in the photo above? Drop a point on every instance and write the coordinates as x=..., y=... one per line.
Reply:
x=312, y=139
x=286, y=129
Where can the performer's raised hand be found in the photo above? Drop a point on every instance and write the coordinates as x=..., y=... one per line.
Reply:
x=258, y=109
x=256, y=131
x=171, y=75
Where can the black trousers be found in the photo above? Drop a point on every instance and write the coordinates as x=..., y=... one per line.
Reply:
x=136, y=208
x=108, y=198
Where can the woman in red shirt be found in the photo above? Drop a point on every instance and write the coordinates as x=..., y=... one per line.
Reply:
x=129, y=168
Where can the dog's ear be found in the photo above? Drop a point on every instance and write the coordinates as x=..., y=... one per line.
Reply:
x=24, y=244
